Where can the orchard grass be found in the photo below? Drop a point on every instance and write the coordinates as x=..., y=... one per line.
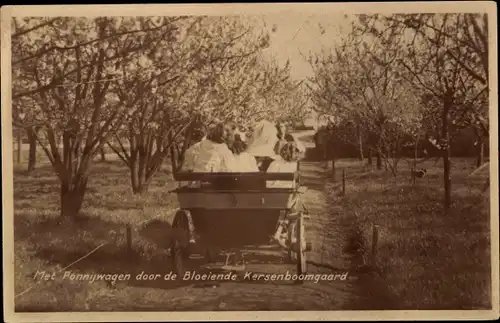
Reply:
x=425, y=260
x=45, y=241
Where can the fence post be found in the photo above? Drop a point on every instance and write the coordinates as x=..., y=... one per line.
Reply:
x=374, y=243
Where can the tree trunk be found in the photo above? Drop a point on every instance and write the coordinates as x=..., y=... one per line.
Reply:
x=19, y=147
x=379, y=160
x=446, y=159
x=102, y=153
x=380, y=142
x=140, y=183
x=333, y=165
x=387, y=159
x=138, y=175
x=415, y=158
x=32, y=150
x=174, y=159
x=360, y=143
x=480, y=153
x=370, y=156
x=72, y=198
x=143, y=168
x=415, y=152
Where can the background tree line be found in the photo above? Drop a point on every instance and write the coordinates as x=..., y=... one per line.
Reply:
x=140, y=86
x=406, y=85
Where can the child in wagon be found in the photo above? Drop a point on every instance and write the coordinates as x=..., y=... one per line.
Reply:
x=285, y=137
x=243, y=161
x=288, y=163
x=213, y=154
x=191, y=153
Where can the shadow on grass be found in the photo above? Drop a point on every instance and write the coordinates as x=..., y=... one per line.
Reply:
x=82, y=235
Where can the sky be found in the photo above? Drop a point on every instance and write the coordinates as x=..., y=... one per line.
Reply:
x=296, y=33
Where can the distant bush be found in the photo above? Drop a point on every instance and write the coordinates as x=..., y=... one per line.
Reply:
x=462, y=145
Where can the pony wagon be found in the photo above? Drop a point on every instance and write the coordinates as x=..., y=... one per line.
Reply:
x=234, y=210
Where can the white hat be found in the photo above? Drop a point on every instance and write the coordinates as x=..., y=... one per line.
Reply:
x=264, y=139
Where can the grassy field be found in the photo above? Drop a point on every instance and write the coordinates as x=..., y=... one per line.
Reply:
x=43, y=242
x=425, y=260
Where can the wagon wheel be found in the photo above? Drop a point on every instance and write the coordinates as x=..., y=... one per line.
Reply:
x=179, y=251
x=292, y=257
x=301, y=246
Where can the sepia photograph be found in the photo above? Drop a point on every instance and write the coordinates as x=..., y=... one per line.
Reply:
x=250, y=161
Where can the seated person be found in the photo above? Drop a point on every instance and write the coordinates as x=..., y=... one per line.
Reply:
x=302, y=149
x=243, y=161
x=286, y=164
x=284, y=136
x=264, y=138
x=192, y=152
x=213, y=152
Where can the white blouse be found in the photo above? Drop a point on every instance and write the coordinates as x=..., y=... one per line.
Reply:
x=245, y=163
x=213, y=157
x=190, y=157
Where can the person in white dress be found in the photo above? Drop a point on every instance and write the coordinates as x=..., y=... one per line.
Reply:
x=243, y=161
x=191, y=154
x=213, y=154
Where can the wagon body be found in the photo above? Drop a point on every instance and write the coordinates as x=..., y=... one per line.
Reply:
x=231, y=210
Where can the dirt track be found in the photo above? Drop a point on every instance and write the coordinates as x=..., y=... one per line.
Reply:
x=248, y=294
